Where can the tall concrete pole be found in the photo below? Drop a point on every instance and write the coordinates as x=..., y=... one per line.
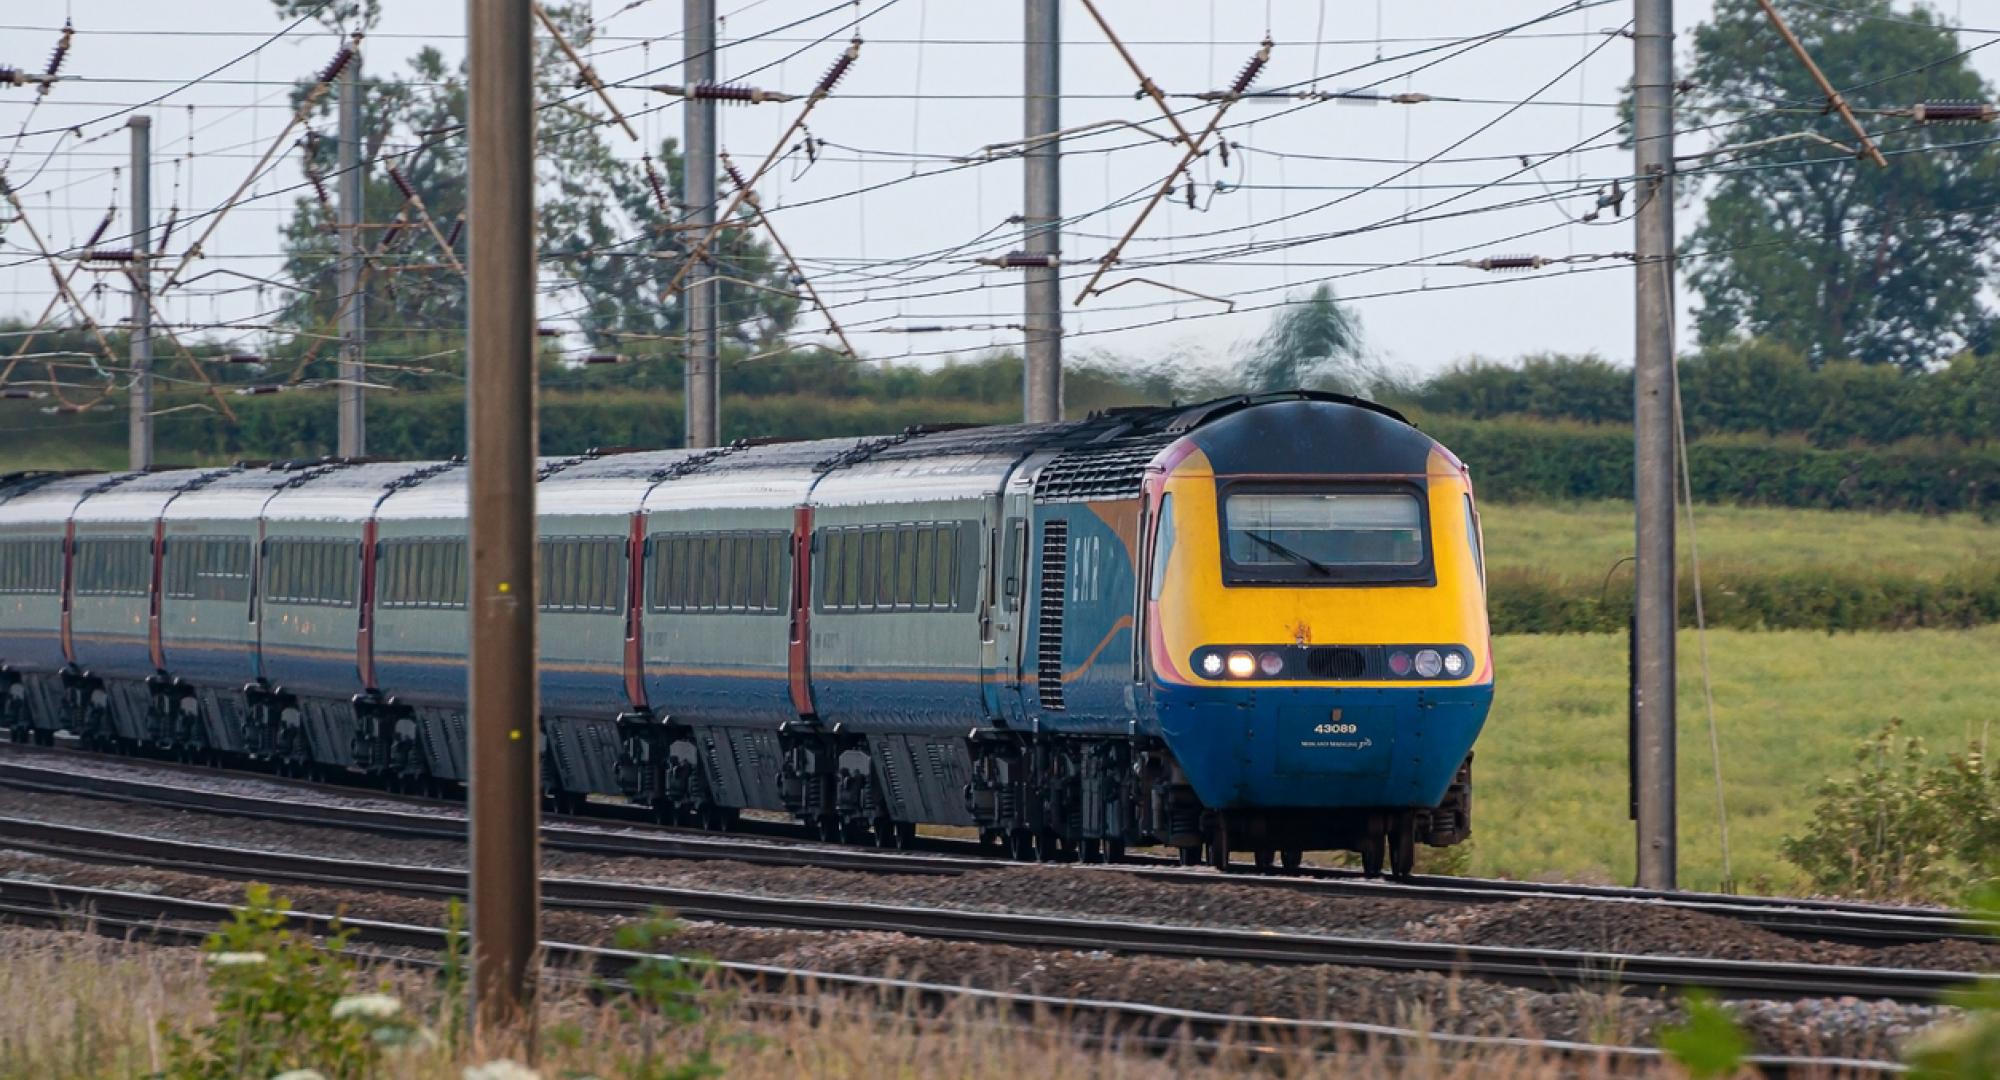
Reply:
x=354, y=312
x=139, y=434
x=702, y=385
x=1654, y=431
x=1041, y=211
x=500, y=423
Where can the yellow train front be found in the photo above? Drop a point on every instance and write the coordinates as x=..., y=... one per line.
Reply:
x=1317, y=634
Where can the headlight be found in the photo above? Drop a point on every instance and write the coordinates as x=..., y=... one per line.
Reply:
x=1270, y=663
x=1429, y=663
x=1454, y=664
x=1399, y=663
x=1242, y=665
x=1211, y=665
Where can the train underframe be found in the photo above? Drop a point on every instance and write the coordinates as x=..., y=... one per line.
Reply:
x=1037, y=796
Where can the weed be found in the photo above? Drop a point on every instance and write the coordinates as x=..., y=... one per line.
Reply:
x=1709, y=1043
x=1904, y=825
x=665, y=993
x=283, y=1004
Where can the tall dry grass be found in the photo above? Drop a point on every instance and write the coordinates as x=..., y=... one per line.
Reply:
x=78, y=1005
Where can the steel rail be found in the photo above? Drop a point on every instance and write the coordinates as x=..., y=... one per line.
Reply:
x=1824, y=920
x=1545, y=969
x=170, y=920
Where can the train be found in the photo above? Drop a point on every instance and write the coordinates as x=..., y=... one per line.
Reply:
x=1250, y=625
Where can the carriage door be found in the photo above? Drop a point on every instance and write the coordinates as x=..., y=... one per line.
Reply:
x=1006, y=591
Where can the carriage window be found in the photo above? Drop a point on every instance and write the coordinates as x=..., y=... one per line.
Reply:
x=427, y=572
x=903, y=567
x=31, y=566
x=321, y=573
x=1325, y=536
x=723, y=573
x=208, y=568
x=121, y=567
x=583, y=574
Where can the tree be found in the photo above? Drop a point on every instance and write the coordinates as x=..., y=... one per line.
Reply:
x=608, y=252
x=1313, y=343
x=1811, y=247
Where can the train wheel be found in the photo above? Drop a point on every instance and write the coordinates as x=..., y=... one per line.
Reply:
x=1371, y=855
x=1114, y=851
x=1048, y=847
x=906, y=835
x=1092, y=850
x=1191, y=855
x=1403, y=848
x=1291, y=858
x=1022, y=845
x=1266, y=858
x=1218, y=846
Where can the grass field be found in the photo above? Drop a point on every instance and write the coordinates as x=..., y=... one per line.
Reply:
x=1550, y=778
x=1584, y=539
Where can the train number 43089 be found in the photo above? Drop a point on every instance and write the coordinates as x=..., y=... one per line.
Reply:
x=1335, y=729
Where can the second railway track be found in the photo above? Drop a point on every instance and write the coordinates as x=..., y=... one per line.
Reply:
x=1548, y=969
x=42, y=771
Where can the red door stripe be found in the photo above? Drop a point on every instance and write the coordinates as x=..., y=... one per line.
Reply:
x=800, y=655
x=635, y=616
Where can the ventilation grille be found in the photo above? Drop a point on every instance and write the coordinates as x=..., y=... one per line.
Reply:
x=1336, y=662
x=1049, y=647
x=1114, y=471
x=890, y=779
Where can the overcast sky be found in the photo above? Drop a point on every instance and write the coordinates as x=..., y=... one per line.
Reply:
x=937, y=80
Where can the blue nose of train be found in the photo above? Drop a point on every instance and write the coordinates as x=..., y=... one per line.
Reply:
x=1320, y=747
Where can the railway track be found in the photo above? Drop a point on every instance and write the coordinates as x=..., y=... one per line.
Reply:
x=36, y=769
x=1542, y=969
x=172, y=921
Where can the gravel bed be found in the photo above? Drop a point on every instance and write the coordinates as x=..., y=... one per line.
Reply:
x=1650, y=929
x=1409, y=999
x=1598, y=926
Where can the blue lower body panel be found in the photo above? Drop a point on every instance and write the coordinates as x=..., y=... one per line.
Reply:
x=1321, y=747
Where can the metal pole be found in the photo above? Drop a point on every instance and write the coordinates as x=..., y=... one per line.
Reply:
x=500, y=422
x=1041, y=212
x=702, y=390
x=139, y=435
x=353, y=306
x=1654, y=432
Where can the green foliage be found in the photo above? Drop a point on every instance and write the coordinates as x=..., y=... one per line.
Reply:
x=665, y=993
x=282, y=1003
x=1813, y=247
x=1904, y=825
x=1709, y=1042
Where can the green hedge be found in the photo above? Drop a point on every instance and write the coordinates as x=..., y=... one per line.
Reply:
x=433, y=425
x=1750, y=388
x=1539, y=603
x=1525, y=460
x=1511, y=460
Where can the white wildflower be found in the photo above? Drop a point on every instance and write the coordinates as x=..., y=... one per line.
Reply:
x=367, y=1007
x=502, y=1070
x=301, y=1074
x=236, y=959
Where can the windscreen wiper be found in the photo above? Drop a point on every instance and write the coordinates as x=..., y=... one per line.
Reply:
x=1296, y=556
